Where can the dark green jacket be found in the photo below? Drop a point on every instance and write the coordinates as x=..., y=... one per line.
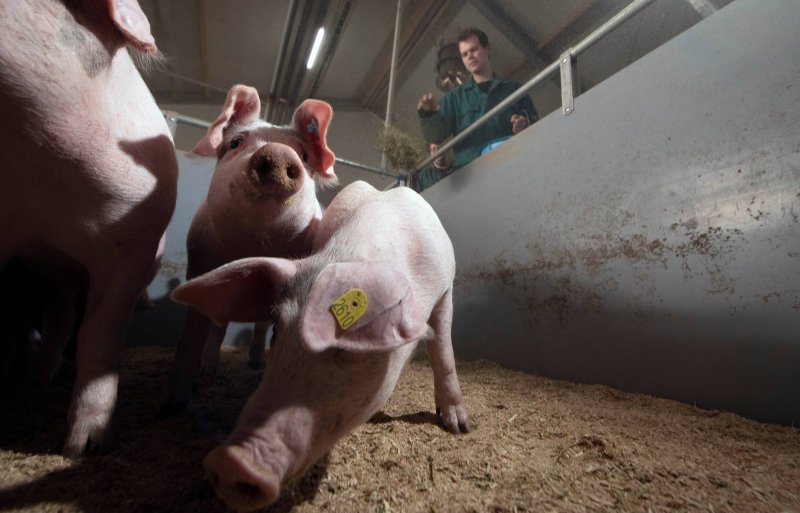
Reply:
x=459, y=107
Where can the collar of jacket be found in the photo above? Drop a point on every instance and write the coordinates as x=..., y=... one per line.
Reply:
x=471, y=84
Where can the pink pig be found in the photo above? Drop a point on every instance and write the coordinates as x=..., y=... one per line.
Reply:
x=88, y=182
x=261, y=202
x=348, y=319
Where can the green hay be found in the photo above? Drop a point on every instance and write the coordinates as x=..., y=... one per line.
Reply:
x=403, y=151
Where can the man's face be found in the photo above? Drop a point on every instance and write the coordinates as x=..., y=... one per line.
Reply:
x=474, y=56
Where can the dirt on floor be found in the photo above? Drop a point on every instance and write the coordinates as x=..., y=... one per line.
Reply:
x=536, y=445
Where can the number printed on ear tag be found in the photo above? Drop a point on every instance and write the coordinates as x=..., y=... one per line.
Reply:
x=349, y=307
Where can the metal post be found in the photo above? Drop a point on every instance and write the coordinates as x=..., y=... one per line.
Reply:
x=172, y=123
x=392, y=72
x=364, y=167
x=567, y=83
x=174, y=117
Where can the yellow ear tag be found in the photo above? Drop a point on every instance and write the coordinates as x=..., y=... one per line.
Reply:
x=349, y=307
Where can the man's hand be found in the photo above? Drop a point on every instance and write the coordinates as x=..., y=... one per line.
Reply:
x=441, y=162
x=428, y=103
x=518, y=123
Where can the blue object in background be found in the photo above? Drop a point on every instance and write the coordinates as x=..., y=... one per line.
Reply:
x=494, y=144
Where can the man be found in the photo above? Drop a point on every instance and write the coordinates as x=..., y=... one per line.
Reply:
x=468, y=102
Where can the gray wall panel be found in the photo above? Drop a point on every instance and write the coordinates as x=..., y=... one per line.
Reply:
x=650, y=240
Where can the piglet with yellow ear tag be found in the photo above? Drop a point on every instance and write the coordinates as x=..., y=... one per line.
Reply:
x=348, y=318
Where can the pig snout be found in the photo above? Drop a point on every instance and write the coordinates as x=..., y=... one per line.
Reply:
x=239, y=481
x=276, y=168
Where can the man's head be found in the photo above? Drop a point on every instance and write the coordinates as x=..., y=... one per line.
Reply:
x=473, y=45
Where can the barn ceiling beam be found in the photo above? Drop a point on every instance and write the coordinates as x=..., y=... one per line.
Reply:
x=578, y=28
x=296, y=46
x=513, y=31
x=423, y=27
x=306, y=38
x=202, y=30
x=291, y=12
x=339, y=23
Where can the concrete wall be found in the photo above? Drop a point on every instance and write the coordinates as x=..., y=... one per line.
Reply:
x=649, y=241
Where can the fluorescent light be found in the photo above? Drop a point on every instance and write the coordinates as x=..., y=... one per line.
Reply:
x=315, y=48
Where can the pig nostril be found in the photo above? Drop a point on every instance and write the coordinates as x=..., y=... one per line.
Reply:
x=291, y=172
x=248, y=491
x=263, y=168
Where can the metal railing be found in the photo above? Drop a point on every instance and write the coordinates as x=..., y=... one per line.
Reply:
x=564, y=64
x=173, y=118
x=564, y=61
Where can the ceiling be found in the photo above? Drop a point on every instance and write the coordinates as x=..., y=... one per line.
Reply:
x=213, y=44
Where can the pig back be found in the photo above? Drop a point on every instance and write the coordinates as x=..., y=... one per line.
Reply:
x=84, y=140
x=396, y=226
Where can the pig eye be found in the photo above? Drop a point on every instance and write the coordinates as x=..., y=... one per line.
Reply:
x=235, y=142
x=305, y=156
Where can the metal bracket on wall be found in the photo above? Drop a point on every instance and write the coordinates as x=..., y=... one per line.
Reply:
x=172, y=122
x=567, y=83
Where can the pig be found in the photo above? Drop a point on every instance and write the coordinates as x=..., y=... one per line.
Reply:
x=261, y=202
x=348, y=318
x=89, y=181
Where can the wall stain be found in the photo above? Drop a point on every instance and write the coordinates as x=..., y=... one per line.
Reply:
x=767, y=297
x=543, y=284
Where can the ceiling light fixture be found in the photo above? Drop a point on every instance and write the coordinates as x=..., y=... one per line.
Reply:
x=312, y=57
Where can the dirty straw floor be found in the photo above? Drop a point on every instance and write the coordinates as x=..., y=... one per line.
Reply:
x=536, y=445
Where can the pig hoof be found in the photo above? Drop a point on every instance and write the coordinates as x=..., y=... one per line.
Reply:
x=143, y=303
x=238, y=481
x=80, y=444
x=176, y=399
x=453, y=420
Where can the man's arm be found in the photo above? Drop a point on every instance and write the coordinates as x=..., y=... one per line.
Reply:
x=435, y=119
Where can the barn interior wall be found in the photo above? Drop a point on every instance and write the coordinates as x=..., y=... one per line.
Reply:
x=650, y=240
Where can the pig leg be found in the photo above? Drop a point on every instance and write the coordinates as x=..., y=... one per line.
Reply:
x=258, y=344
x=187, y=362
x=447, y=391
x=144, y=302
x=59, y=321
x=110, y=302
x=210, y=362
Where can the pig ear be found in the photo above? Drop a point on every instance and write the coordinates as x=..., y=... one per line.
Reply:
x=311, y=120
x=241, y=106
x=131, y=21
x=392, y=317
x=242, y=291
